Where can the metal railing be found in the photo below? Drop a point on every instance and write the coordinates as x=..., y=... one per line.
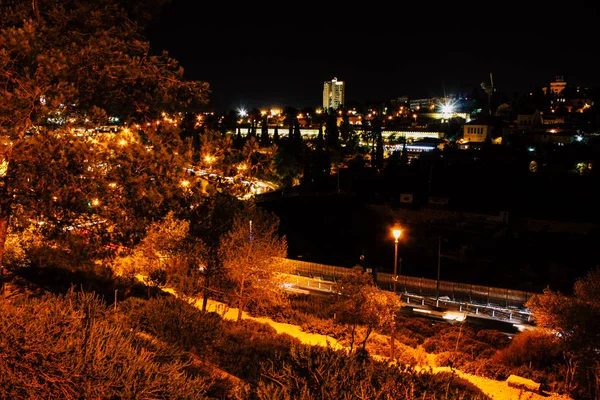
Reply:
x=454, y=291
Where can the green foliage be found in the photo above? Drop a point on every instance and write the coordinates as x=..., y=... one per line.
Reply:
x=71, y=347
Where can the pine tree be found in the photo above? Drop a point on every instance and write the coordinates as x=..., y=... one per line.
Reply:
x=264, y=133
x=64, y=69
x=332, y=136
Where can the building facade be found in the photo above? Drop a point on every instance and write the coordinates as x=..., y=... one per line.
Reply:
x=333, y=94
x=557, y=86
x=476, y=132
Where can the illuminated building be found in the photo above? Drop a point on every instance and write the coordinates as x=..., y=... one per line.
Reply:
x=333, y=94
x=476, y=132
x=557, y=86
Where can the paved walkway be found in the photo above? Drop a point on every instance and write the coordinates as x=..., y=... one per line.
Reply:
x=497, y=390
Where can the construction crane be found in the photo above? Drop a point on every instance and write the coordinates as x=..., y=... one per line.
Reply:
x=489, y=90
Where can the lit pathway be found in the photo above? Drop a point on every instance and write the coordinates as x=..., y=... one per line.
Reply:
x=497, y=390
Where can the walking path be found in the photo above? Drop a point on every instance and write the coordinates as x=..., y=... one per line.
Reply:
x=497, y=390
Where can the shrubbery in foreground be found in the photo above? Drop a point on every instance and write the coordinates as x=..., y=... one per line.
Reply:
x=70, y=347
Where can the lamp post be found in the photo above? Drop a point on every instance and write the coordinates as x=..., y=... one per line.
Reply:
x=437, y=288
x=396, y=232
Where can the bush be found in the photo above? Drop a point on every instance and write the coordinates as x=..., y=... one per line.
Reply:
x=322, y=373
x=413, y=331
x=240, y=348
x=495, y=339
x=487, y=368
x=454, y=359
x=535, y=349
x=324, y=327
x=176, y=322
x=71, y=347
x=413, y=357
x=471, y=342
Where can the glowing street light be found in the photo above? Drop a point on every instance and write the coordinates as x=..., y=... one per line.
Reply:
x=397, y=232
x=242, y=112
x=447, y=109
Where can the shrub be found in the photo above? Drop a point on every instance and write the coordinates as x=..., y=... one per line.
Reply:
x=240, y=348
x=176, y=322
x=71, y=347
x=487, y=368
x=414, y=331
x=324, y=327
x=471, y=342
x=454, y=359
x=535, y=349
x=495, y=339
x=322, y=373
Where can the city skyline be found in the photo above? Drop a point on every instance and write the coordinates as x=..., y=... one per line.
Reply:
x=263, y=57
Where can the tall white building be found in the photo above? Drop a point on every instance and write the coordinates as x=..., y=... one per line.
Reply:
x=333, y=94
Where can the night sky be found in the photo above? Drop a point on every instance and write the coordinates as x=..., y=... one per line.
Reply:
x=261, y=55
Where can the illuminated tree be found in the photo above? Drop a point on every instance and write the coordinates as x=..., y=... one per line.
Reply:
x=209, y=224
x=65, y=67
x=253, y=256
x=163, y=245
x=575, y=321
x=361, y=303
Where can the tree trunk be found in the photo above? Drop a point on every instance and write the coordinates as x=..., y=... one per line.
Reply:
x=36, y=11
x=4, y=218
x=240, y=303
x=204, y=300
x=205, y=294
x=364, y=343
x=352, y=337
x=240, y=309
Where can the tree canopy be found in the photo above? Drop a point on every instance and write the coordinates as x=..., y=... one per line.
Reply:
x=67, y=69
x=252, y=254
x=574, y=319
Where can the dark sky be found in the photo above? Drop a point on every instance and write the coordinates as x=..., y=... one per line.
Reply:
x=260, y=55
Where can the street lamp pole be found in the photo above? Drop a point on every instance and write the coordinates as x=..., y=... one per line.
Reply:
x=396, y=232
x=437, y=290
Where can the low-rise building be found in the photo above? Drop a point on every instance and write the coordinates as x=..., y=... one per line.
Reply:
x=476, y=131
